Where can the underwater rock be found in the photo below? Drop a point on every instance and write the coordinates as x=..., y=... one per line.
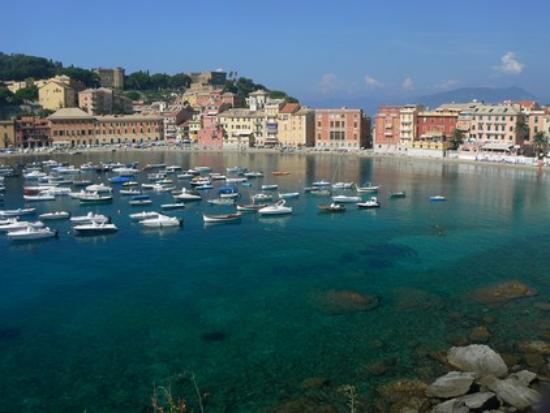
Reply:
x=535, y=361
x=458, y=341
x=380, y=368
x=536, y=346
x=315, y=383
x=9, y=333
x=384, y=255
x=417, y=299
x=214, y=336
x=477, y=358
x=503, y=292
x=452, y=384
x=345, y=301
x=479, y=334
x=544, y=306
x=304, y=405
x=402, y=390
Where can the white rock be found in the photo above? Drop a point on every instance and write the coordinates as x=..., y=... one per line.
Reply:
x=479, y=400
x=477, y=358
x=451, y=406
x=524, y=376
x=454, y=383
x=512, y=391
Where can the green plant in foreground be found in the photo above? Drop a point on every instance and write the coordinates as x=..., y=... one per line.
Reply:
x=164, y=400
x=351, y=394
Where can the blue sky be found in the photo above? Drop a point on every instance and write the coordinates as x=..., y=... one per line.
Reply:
x=319, y=51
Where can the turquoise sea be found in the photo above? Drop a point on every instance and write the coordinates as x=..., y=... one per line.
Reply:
x=91, y=324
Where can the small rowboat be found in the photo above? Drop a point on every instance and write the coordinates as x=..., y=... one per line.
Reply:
x=218, y=219
x=270, y=187
x=396, y=195
x=371, y=203
x=250, y=207
x=289, y=195
x=280, y=173
x=50, y=216
x=334, y=207
x=177, y=205
x=438, y=198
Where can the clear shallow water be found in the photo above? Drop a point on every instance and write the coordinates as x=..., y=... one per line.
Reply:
x=92, y=323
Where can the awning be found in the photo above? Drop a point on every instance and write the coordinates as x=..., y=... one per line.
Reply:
x=497, y=147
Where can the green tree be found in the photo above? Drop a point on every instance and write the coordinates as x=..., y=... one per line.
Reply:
x=159, y=81
x=522, y=129
x=88, y=77
x=179, y=81
x=132, y=94
x=27, y=93
x=20, y=67
x=457, y=138
x=6, y=97
x=140, y=80
x=541, y=144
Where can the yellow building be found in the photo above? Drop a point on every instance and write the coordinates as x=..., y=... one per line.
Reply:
x=7, y=133
x=57, y=92
x=240, y=127
x=296, y=126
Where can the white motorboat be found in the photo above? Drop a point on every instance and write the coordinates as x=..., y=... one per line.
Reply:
x=289, y=195
x=140, y=216
x=202, y=168
x=224, y=218
x=95, y=198
x=99, y=188
x=368, y=188
x=127, y=192
x=253, y=174
x=88, y=167
x=197, y=181
x=185, y=176
x=333, y=207
x=31, y=233
x=39, y=198
x=57, y=191
x=221, y=201
x=34, y=175
x=278, y=208
x=270, y=187
x=371, y=203
x=173, y=169
x=161, y=221
x=343, y=185
x=236, y=180
x=344, y=199
x=89, y=218
x=125, y=171
x=57, y=215
x=187, y=195
x=262, y=198
x=8, y=213
x=20, y=225
x=95, y=228
x=218, y=177
x=321, y=183
x=130, y=183
x=437, y=198
x=176, y=205
x=140, y=201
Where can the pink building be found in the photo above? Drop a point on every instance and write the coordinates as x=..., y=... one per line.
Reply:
x=211, y=133
x=387, y=128
x=341, y=129
x=216, y=100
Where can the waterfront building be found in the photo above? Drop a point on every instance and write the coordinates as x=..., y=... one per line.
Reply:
x=211, y=133
x=32, y=131
x=7, y=133
x=341, y=129
x=434, y=131
x=73, y=127
x=111, y=78
x=535, y=122
x=407, y=128
x=96, y=101
x=240, y=127
x=58, y=92
x=387, y=129
x=493, y=127
x=296, y=126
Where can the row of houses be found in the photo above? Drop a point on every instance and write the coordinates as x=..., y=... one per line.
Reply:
x=506, y=127
x=71, y=127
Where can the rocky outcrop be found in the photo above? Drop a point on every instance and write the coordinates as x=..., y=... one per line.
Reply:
x=512, y=391
x=454, y=383
x=504, y=292
x=345, y=301
x=477, y=358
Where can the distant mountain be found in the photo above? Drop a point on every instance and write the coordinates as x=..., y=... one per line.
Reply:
x=467, y=94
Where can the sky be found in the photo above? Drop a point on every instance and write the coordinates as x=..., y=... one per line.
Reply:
x=322, y=52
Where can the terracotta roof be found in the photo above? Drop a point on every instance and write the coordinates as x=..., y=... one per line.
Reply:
x=70, y=113
x=289, y=108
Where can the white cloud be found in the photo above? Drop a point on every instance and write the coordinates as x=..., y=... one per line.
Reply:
x=408, y=83
x=372, y=82
x=329, y=83
x=447, y=84
x=510, y=65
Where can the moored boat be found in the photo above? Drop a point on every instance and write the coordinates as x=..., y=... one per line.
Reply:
x=289, y=195
x=7, y=213
x=333, y=207
x=279, y=208
x=368, y=188
x=270, y=187
x=437, y=198
x=346, y=199
x=89, y=218
x=39, y=198
x=221, y=201
x=223, y=218
x=370, y=203
x=396, y=195
x=20, y=225
x=343, y=185
x=140, y=216
x=95, y=228
x=57, y=215
x=188, y=195
x=250, y=207
x=95, y=198
x=176, y=205
x=31, y=233
x=161, y=221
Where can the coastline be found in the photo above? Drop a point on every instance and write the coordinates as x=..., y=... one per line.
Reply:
x=369, y=154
